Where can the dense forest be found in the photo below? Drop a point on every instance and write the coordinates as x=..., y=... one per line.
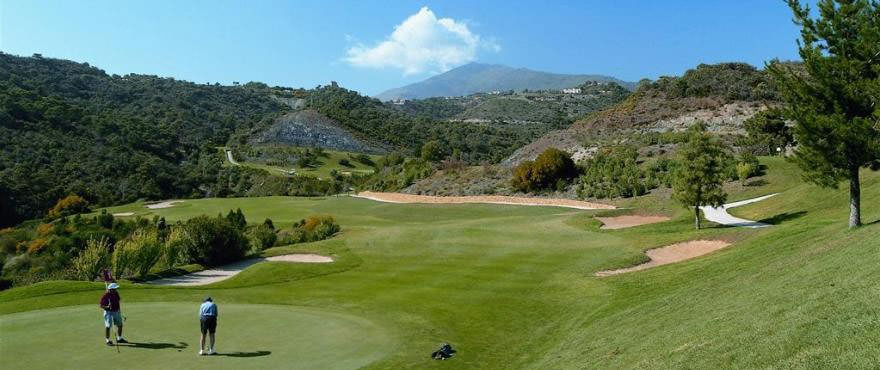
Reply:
x=68, y=127
x=371, y=120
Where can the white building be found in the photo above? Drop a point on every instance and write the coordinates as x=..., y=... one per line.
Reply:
x=573, y=90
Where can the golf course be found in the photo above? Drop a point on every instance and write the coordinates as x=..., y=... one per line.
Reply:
x=508, y=286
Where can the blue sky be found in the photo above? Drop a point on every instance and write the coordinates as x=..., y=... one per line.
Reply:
x=307, y=43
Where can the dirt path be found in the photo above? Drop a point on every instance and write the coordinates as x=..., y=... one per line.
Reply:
x=671, y=254
x=622, y=222
x=229, y=157
x=227, y=271
x=719, y=215
x=490, y=199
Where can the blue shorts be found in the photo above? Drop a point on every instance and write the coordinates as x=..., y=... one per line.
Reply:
x=112, y=318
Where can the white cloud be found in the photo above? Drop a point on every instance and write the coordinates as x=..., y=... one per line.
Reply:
x=422, y=43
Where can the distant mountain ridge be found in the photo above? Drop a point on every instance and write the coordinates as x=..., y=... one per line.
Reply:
x=477, y=77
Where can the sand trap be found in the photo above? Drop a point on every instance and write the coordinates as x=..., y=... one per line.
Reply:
x=671, y=254
x=165, y=204
x=622, y=222
x=490, y=199
x=227, y=271
x=123, y=214
x=302, y=258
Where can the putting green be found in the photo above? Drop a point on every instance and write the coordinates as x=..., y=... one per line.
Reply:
x=166, y=335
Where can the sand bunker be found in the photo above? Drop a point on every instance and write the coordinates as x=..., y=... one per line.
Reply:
x=123, y=214
x=491, y=199
x=227, y=271
x=622, y=222
x=671, y=254
x=302, y=258
x=165, y=204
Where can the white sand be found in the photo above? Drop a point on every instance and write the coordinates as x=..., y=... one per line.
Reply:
x=671, y=254
x=165, y=204
x=489, y=199
x=227, y=271
x=123, y=214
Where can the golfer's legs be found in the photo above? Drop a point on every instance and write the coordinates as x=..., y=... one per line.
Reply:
x=212, y=340
x=202, y=342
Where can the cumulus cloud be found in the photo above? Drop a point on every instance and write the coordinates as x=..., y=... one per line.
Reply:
x=422, y=43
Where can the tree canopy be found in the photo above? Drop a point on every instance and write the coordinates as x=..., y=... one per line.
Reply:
x=834, y=102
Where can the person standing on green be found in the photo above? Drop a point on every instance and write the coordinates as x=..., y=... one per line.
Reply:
x=208, y=321
x=112, y=313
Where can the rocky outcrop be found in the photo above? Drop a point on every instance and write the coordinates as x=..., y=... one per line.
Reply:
x=308, y=128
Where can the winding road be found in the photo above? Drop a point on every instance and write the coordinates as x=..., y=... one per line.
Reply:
x=229, y=156
x=719, y=215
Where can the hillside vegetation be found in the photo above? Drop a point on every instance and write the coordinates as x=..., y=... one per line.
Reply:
x=68, y=127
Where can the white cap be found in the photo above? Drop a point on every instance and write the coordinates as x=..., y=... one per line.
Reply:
x=113, y=286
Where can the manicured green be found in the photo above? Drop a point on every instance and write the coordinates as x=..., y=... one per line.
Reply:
x=513, y=287
x=166, y=335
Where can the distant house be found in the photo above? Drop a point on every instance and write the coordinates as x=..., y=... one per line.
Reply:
x=495, y=92
x=398, y=101
x=573, y=90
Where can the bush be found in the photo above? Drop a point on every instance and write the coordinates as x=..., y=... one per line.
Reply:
x=123, y=258
x=432, y=151
x=345, y=163
x=69, y=205
x=146, y=251
x=767, y=132
x=545, y=172
x=105, y=219
x=262, y=237
x=311, y=229
x=237, y=218
x=744, y=171
x=614, y=173
x=172, y=250
x=94, y=258
x=213, y=241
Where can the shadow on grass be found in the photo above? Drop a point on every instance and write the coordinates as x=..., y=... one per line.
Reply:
x=245, y=354
x=152, y=345
x=783, y=217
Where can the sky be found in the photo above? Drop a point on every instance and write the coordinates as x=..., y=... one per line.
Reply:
x=371, y=46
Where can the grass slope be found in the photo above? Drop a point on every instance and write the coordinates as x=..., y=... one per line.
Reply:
x=513, y=287
x=327, y=164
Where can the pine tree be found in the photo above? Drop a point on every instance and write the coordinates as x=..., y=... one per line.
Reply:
x=699, y=177
x=833, y=102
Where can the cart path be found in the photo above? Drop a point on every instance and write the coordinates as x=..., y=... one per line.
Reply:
x=719, y=214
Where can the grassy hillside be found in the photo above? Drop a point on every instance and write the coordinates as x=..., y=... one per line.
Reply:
x=513, y=287
x=281, y=161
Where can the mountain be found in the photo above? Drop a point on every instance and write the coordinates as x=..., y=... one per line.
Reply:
x=722, y=95
x=477, y=77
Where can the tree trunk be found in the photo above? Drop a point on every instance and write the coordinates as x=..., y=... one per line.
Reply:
x=855, y=198
x=697, y=216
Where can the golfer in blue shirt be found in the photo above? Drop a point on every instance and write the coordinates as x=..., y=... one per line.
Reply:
x=208, y=320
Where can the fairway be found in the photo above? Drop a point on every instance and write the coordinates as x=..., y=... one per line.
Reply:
x=166, y=335
x=509, y=287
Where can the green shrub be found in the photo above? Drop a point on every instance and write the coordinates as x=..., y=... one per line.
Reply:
x=615, y=173
x=311, y=229
x=345, y=163
x=69, y=205
x=147, y=249
x=262, y=237
x=744, y=171
x=123, y=259
x=213, y=241
x=545, y=172
x=172, y=250
x=91, y=260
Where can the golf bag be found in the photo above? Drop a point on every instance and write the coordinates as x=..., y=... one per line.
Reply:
x=443, y=353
